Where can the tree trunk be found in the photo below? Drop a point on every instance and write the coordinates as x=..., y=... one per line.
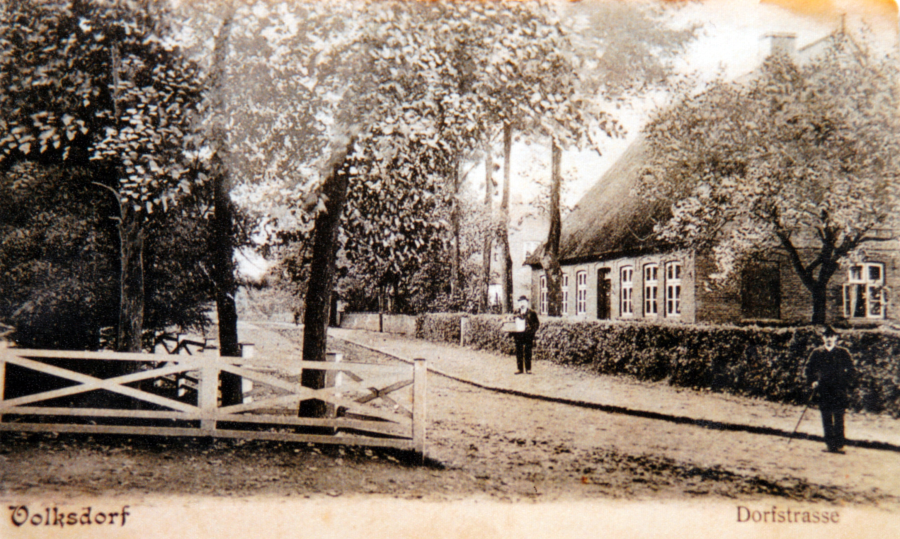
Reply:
x=819, y=305
x=819, y=291
x=816, y=284
x=506, y=279
x=551, y=255
x=456, y=255
x=222, y=236
x=131, y=282
x=322, y=280
x=489, y=231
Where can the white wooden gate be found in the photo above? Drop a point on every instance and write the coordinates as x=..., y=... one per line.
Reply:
x=177, y=395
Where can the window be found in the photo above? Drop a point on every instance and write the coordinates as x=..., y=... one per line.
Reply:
x=651, y=289
x=565, y=294
x=864, y=293
x=581, y=298
x=545, y=296
x=627, y=291
x=673, y=289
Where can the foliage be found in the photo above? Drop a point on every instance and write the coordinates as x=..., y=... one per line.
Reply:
x=58, y=261
x=103, y=83
x=753, y=362
x=103, y=86
x=57, y=258
x=798, y=157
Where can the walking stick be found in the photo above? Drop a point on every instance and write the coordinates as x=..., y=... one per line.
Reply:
x=808, y=402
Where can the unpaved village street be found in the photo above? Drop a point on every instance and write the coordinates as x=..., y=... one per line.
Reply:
x=481, y=444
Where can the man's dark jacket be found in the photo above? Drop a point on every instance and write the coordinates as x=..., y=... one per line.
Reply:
x=835, y=373
x=531, y=323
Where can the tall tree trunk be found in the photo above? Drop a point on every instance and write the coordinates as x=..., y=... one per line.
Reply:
x=322, y=279
x=550, y=260
x=131, y=250
x=489, y=231
x=455, y=230
x=222, y=236
x=506, y=280
x=131, y=282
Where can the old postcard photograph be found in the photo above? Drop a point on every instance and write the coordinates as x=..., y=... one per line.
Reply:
x=449, y=268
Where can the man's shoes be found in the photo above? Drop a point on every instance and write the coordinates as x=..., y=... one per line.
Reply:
x=527, y=372
x=834, y=450
x=519, y=372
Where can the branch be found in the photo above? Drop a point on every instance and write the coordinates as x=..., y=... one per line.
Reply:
x=115, y=195
x=794, y=257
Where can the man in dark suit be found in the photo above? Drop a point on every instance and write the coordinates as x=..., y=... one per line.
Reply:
x=527, y=319
x=832, y=375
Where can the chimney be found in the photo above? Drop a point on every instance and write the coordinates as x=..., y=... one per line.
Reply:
x=778, y=43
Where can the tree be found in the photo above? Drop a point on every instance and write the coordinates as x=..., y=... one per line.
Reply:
x=222, y=245
x=801, y=159
x=102, y=86
x=551, y=78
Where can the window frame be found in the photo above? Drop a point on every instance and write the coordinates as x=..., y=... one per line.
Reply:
x=544, y=295
x=565, y=294
x=626, y=291
x=651, y=290
x=874, y=294
x=581, y=292
x=673, y=275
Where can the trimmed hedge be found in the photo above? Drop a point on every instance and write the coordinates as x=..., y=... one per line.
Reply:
x=749, y=361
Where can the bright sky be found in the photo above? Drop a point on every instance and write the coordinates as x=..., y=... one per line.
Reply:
x=731, y=41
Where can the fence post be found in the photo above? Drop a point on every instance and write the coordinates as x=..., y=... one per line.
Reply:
x=420, y=370
x=208, y=393
x=333, y=379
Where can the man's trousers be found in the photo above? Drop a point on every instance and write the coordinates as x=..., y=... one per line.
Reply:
x=524, y=345
x=833, y=423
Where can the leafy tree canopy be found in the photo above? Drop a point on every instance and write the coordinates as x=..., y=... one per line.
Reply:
x=802, y=158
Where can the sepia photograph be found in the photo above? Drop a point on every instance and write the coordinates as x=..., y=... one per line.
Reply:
x=449, y=268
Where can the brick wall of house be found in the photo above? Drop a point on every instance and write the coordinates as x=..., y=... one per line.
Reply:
x=717, y=303
x=615, y=267
x=701, y=301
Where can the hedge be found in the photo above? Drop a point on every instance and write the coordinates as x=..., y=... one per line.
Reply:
x=749, y=361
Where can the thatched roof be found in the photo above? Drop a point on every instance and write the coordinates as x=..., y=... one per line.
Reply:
x=610, y=221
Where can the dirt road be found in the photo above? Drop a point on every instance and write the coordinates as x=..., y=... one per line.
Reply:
x=481, y=444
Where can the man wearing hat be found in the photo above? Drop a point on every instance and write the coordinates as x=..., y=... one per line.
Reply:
x=527, y=320
x=831, y=373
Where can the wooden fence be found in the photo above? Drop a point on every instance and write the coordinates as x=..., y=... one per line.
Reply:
x=177, y=395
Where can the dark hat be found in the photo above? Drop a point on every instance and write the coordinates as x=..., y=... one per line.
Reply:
x=829, y=332
x=522, y=298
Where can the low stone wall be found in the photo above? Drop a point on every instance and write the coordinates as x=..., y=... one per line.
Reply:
x=388, y=323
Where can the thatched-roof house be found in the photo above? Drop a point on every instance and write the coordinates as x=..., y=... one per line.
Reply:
x=614, y=266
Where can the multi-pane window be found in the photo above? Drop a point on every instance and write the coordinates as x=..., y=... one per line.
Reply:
x=651, y=290
x=581, y=292
x=626, y=304
x=565, y=295
x=673, y=289
x=545, y=296
x=864, y=293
